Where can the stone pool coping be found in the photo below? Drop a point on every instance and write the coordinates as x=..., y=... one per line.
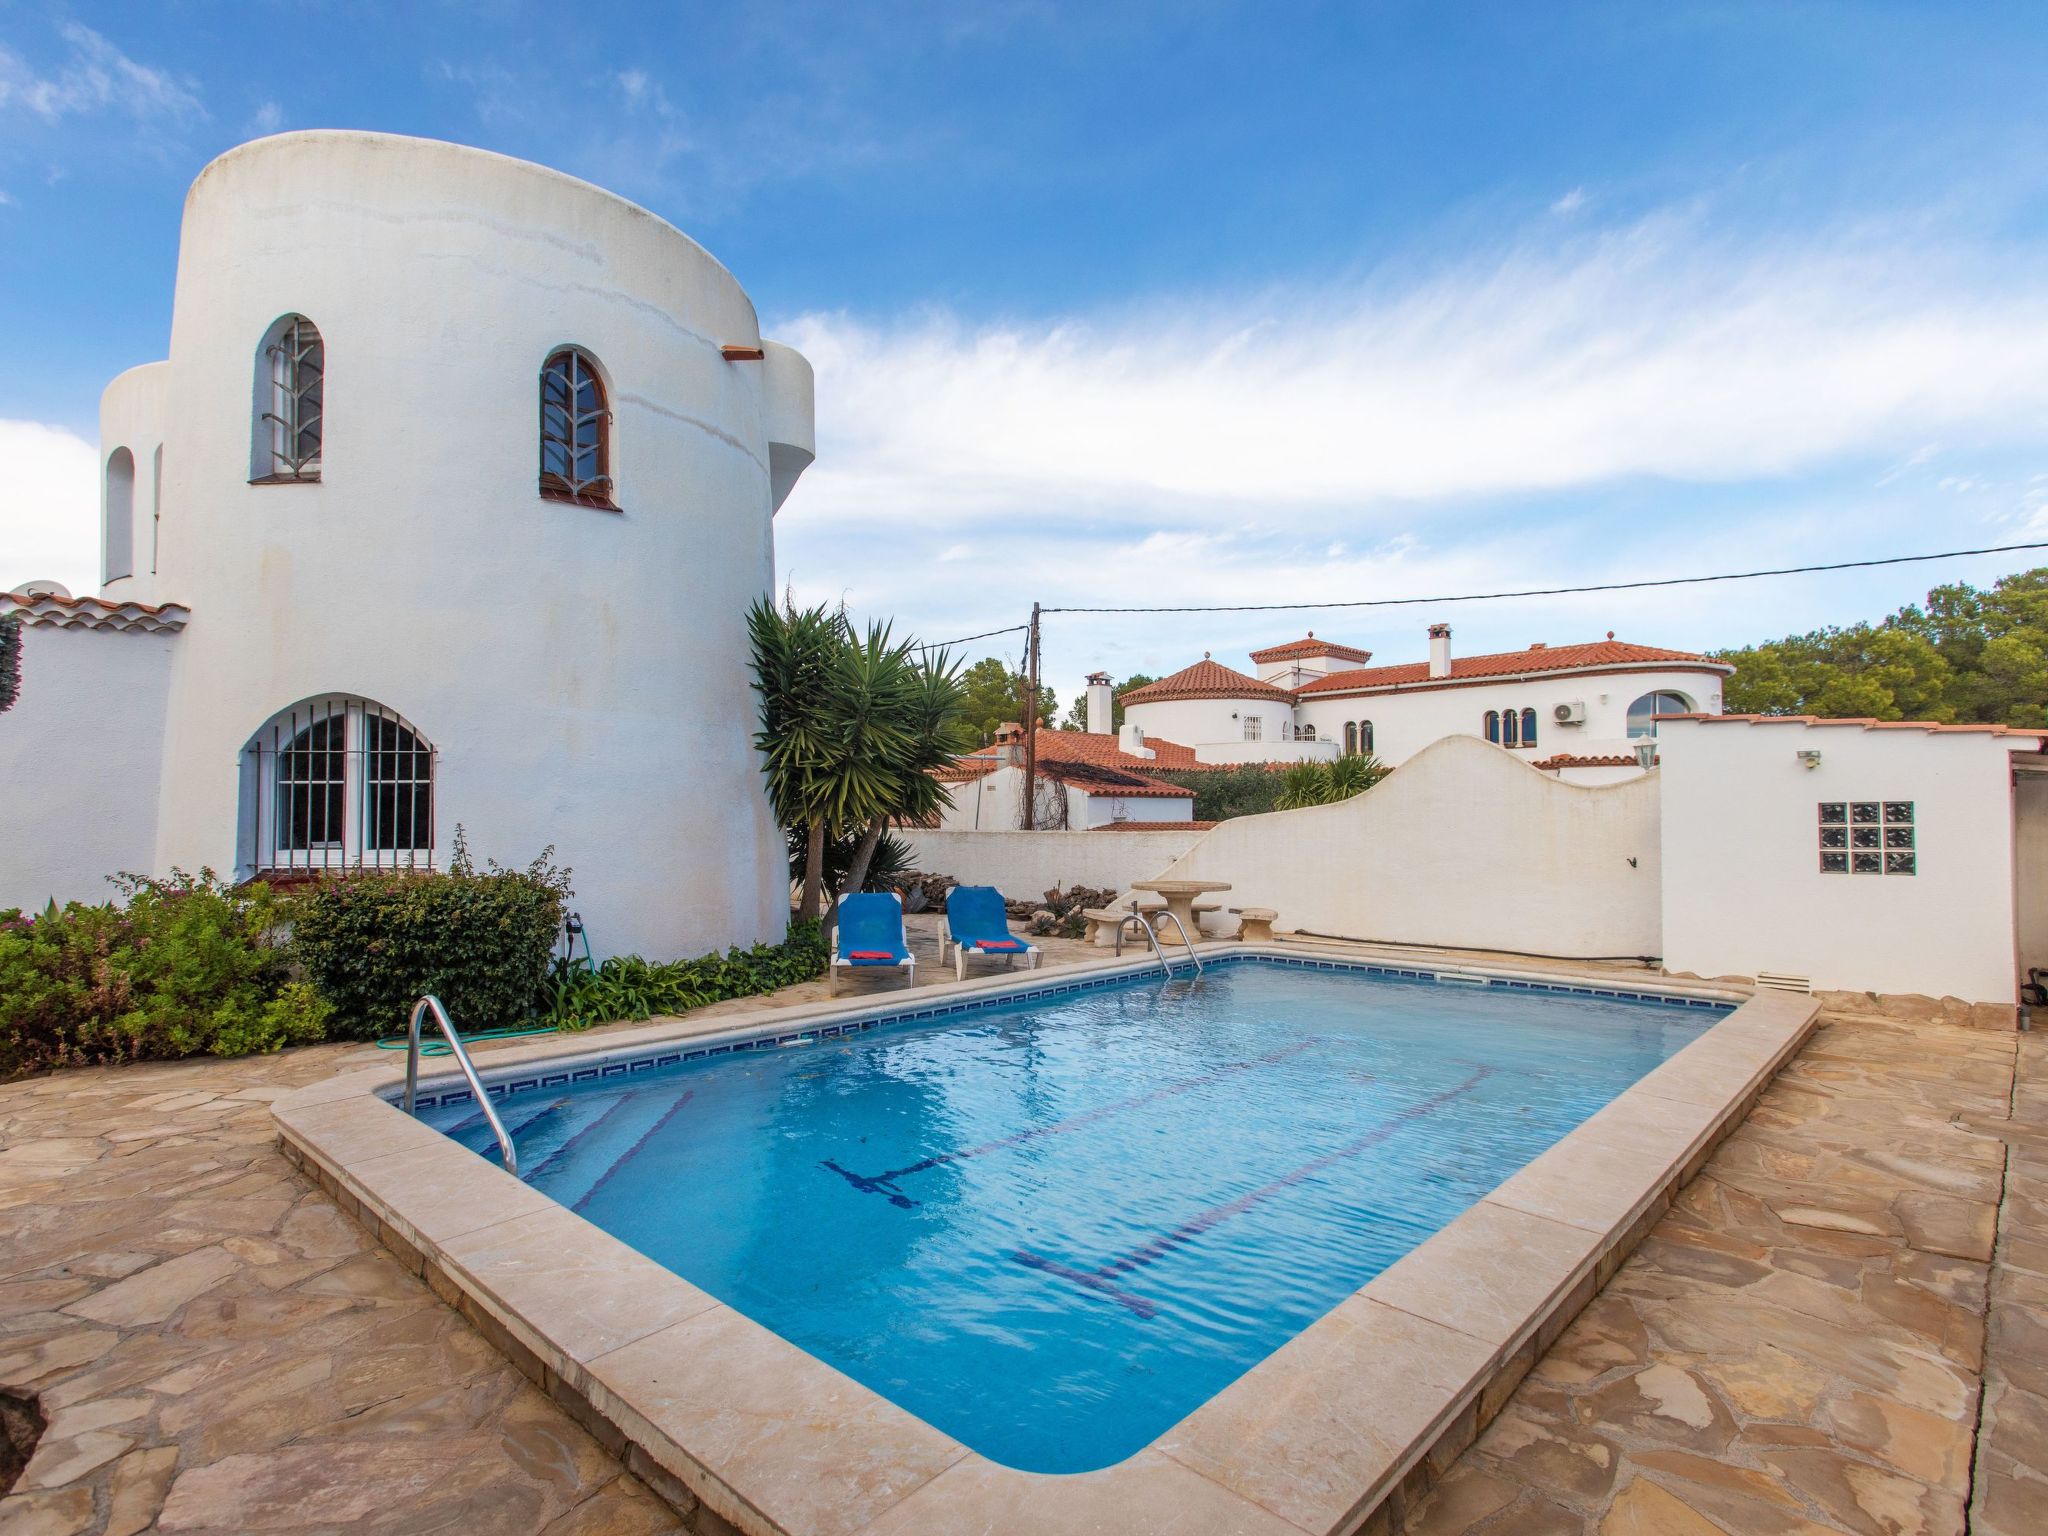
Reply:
x=1351, y=1417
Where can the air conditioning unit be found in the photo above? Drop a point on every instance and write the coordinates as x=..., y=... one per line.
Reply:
x=1573, y=713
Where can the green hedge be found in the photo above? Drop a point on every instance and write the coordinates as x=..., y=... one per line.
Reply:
x=374, y=943
x=188, y=966
x=627, y=987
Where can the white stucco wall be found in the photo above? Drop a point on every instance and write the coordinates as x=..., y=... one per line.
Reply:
x=80, y=753
x=133, y=411
x=1462, y=845
x=583, y=674
x=993, y=803
x=1195, y=722
x=1021, y=864
x=1405, y=722
x=1743, y=889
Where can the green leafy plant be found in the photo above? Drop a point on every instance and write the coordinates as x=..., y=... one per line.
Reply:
x=373, y=943
x=187, y=965
x=628, y=987
x=1305, y=784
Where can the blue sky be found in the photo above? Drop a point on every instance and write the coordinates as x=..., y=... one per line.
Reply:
x=1198, y=302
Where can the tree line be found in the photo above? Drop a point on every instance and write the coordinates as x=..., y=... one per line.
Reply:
x=1964, y=656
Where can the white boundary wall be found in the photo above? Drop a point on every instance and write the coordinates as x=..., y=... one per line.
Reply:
x=1463, y=845
x=80, y=753
x=1023, y=864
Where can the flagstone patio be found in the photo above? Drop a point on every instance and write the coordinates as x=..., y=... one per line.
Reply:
x=1800, y=1346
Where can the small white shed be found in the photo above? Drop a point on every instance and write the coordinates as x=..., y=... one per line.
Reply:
x=1900, y=858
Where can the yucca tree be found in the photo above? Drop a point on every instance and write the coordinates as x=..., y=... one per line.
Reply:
x=1326, y=783
x=851, y=727
x=796, y=658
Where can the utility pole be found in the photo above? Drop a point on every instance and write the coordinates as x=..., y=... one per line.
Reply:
x=1031, y=725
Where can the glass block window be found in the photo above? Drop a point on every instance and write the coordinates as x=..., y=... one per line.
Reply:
x=1868, y=837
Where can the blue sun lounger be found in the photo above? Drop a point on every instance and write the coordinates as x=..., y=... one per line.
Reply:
x=977, y=923
x=870, y=933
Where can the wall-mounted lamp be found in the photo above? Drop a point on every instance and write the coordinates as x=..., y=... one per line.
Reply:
x=1809, y=757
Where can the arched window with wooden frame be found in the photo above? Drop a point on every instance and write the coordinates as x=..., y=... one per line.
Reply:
x=291, y=409
x=1493, y=726
x=575, y=431
x=1350, y=737
x=1510, y=728
x=1528, y=727
x=1365, y=737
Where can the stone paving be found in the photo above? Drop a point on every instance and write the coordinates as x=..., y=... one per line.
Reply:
x=1798, y=1347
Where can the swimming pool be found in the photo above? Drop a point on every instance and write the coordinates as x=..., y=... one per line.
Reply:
x=1053, y=1226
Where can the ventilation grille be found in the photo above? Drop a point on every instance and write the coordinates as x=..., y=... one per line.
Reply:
x=1778, y=981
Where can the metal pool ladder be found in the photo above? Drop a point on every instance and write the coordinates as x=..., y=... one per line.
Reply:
x=1152, y=938
x=476, y=1084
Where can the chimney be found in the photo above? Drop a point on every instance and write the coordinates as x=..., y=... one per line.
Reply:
x=1439, y=650
x=1132, y=739
x=1100, y=712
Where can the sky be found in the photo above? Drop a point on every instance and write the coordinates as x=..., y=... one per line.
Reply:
x=1198, y=303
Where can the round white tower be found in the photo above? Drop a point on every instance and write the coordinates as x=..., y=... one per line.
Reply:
x=468, y=472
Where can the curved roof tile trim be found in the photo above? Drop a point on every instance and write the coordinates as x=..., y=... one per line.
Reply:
x=1599, y=655
x=1205, y=680
x=44, y=610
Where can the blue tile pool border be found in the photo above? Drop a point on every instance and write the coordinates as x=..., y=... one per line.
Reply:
x=671, y=1053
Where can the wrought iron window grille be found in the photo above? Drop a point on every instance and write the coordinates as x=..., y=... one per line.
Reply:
x=575, y=432
x=298, y=370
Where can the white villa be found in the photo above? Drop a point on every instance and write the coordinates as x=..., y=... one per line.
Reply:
x=1583, y=712
x=446, y=508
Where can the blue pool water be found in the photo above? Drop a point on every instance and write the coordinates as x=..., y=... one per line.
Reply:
x=1053, y=1229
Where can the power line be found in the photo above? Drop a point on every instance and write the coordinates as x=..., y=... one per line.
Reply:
x=940, y=645
x=1605, y=586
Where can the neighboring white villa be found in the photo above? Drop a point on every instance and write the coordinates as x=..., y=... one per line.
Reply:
x=1581, y=711
x=446, y=507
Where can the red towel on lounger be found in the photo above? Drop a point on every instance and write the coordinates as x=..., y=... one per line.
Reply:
x=869, y=954
x=997, y=944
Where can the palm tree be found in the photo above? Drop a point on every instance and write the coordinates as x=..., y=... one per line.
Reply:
x=796, y=653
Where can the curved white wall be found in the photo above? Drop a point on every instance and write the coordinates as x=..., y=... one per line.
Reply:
x=1462, y=846
x=1192, y=722
x=583, y=673
x=132, y=412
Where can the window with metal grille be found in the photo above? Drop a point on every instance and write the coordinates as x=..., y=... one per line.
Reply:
x=338, y=783
x=289, y=429
x=575, y=431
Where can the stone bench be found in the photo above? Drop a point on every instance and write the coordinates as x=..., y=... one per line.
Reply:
x=1103, y=921
x=1257, y=927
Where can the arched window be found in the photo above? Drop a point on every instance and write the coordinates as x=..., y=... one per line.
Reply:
x=291, y=403
x=1493, y=725
x=118, y=517
x=337, y=783
x=1642, y=715
x=1350, y=737
x=1510, y=735
x=1365, y=737
x=1528, y=727
x=575, y=431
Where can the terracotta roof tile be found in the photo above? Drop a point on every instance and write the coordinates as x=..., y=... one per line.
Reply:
x=1311, y=646
x=1594, y=656
x=1206, y=679
x=45, y=610
x=1082, y=747
x=1617, y=760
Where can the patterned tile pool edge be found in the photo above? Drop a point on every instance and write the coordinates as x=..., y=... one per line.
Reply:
x=1024, y=992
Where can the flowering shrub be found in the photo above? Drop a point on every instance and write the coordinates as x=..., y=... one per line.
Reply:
x=186, y=966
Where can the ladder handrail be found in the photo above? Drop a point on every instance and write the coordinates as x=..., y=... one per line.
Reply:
x=476, y=1084
x=1190, y=943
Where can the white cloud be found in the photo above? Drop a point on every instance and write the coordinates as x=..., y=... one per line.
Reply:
x=96, y=76
x=1647, y=351
x=49, y=506
x=266, y=119
x=1571, y=202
